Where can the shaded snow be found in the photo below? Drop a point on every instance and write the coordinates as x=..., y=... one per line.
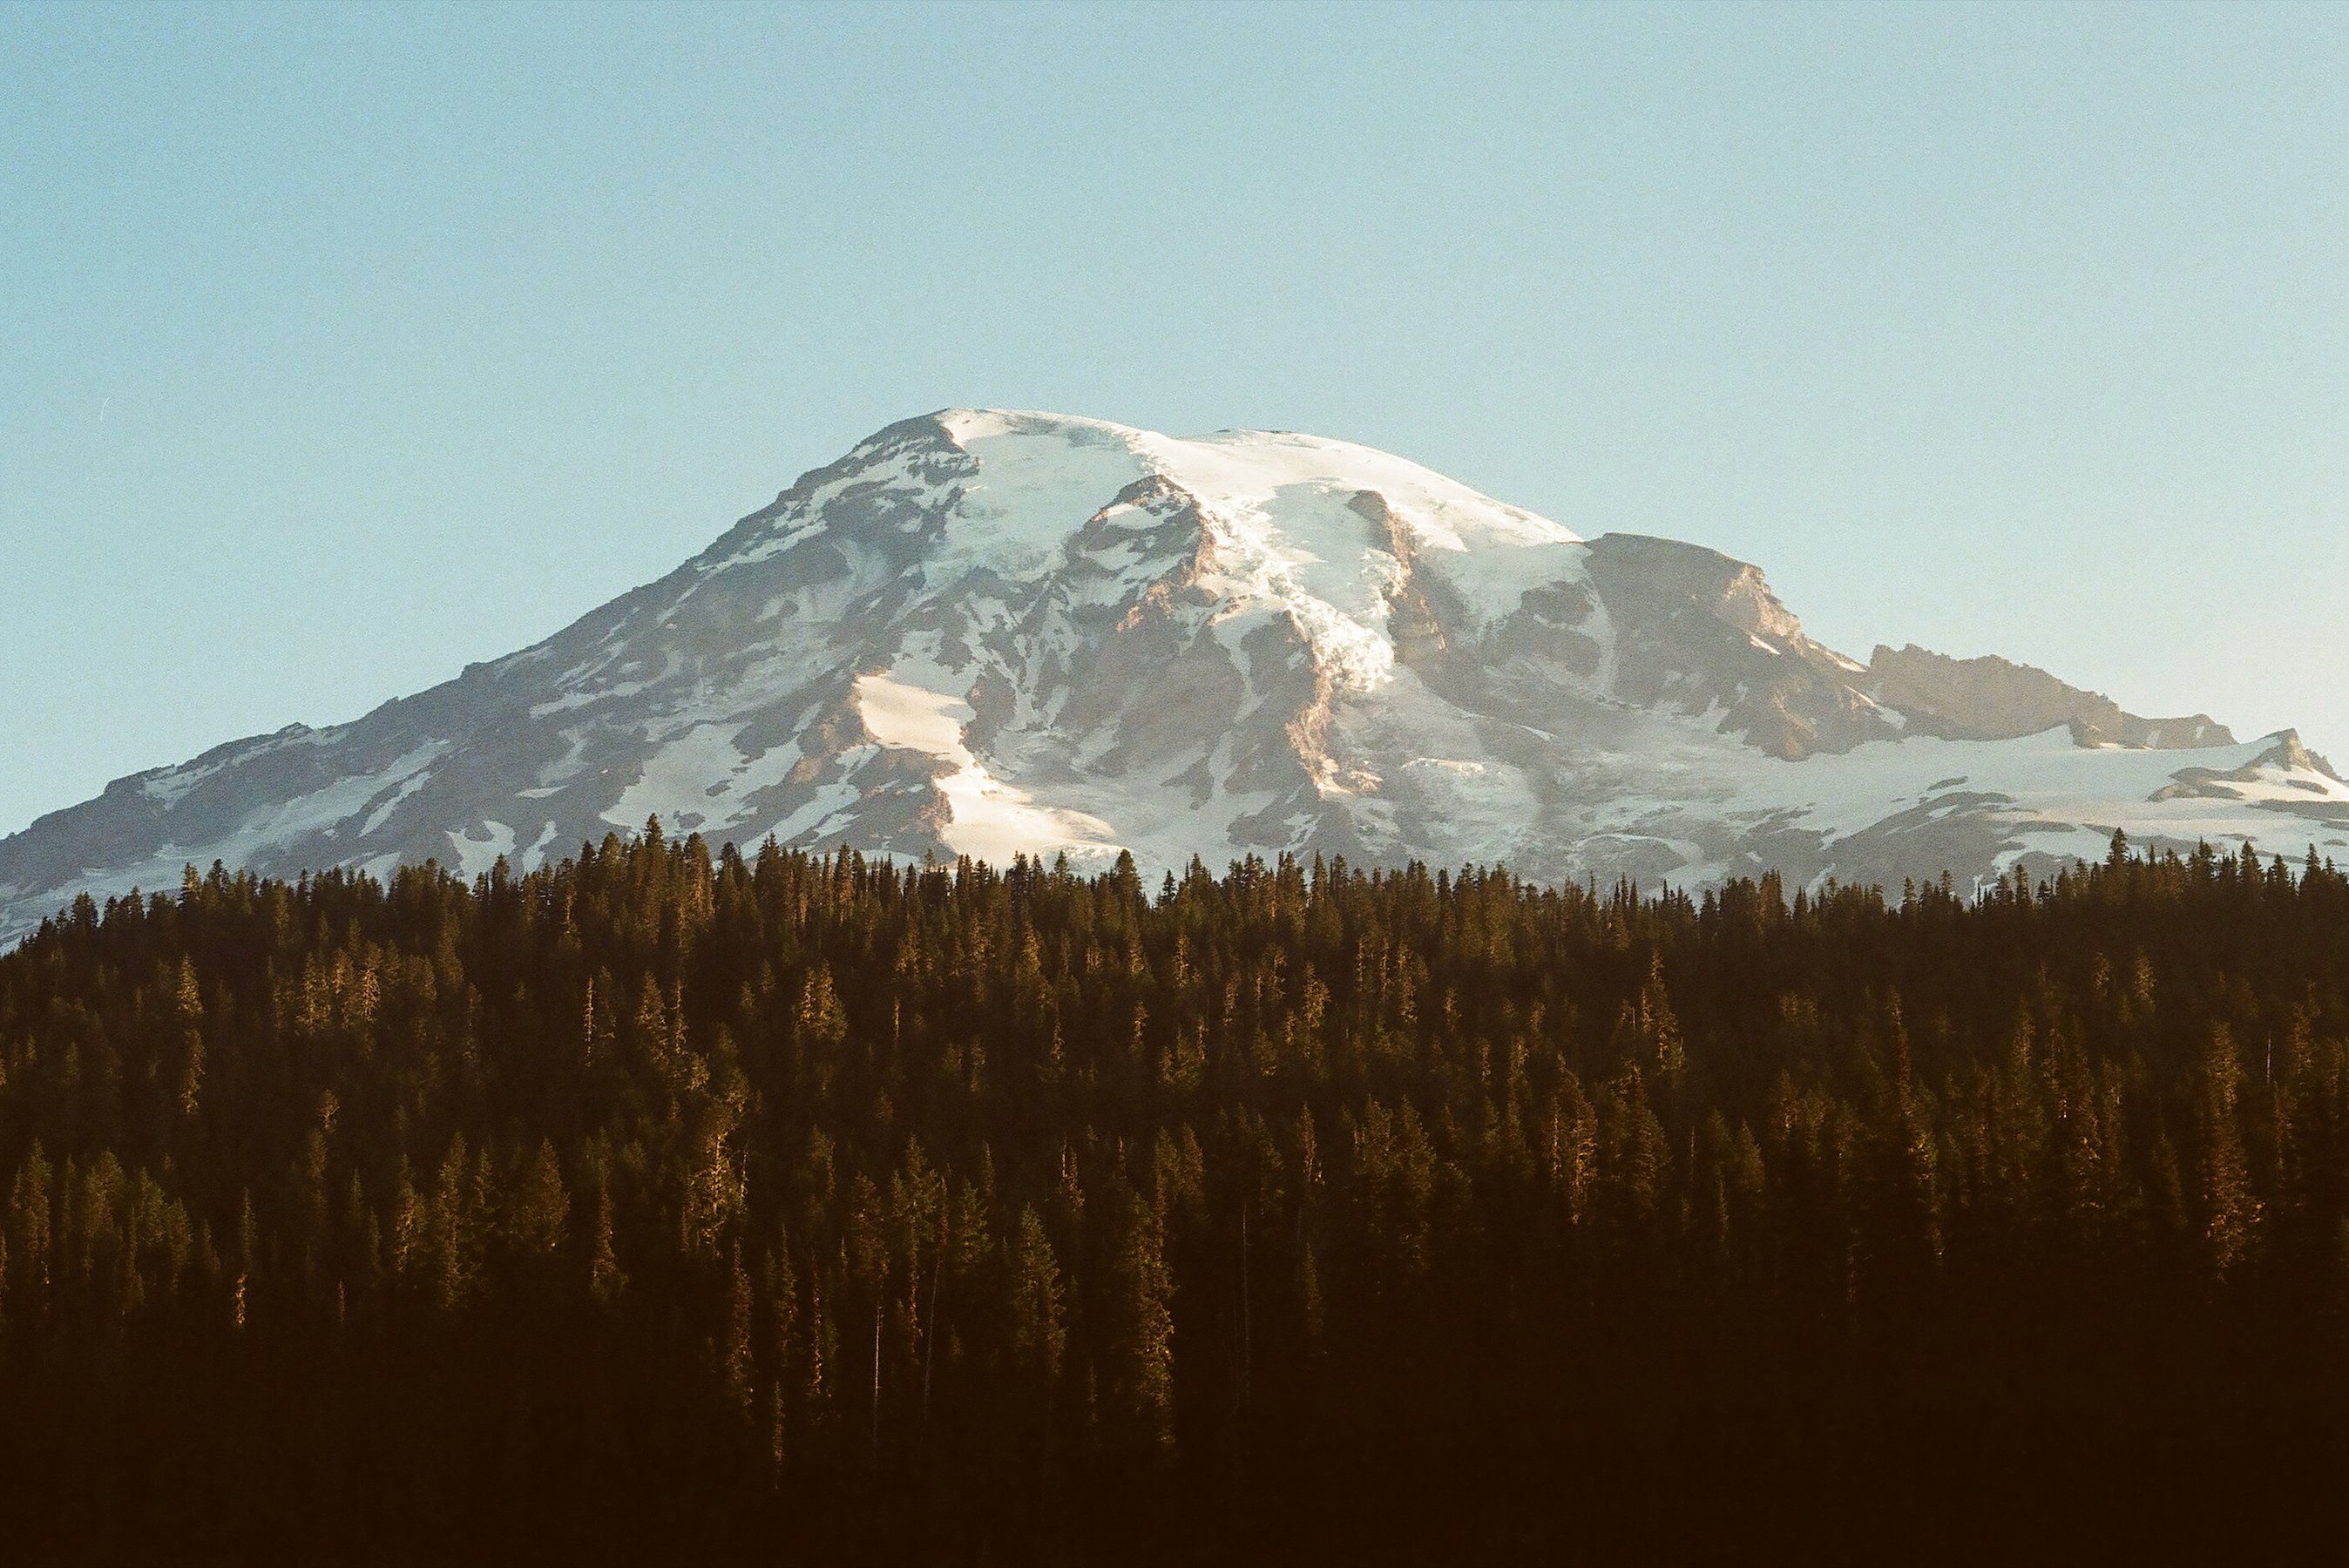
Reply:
x=2047, y=778
x=476, y=856
x=701, y=781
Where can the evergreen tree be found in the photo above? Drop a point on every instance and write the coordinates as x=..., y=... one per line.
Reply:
x=649, y=1205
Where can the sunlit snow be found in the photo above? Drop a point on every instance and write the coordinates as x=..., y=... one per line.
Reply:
x=992, y=820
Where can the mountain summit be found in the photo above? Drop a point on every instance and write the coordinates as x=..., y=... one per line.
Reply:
x=990, y=632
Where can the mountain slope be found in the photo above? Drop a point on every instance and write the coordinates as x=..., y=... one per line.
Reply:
x=987, y=632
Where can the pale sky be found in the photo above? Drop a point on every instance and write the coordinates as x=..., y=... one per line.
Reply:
x=340, y=348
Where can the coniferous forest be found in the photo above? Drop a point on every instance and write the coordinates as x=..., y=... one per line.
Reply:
x=656, y=1206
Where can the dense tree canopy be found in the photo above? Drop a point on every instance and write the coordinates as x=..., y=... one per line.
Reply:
x=654, y=1204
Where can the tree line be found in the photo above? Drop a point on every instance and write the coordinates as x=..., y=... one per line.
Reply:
x=658, y=1205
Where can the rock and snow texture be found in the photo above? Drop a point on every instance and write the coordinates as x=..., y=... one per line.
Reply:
x=985, y=632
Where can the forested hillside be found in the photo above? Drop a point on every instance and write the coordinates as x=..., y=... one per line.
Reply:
x=656, y=1207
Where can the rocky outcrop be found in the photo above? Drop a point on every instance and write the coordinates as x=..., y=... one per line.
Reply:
x=1991, y=698
x=1701, y=632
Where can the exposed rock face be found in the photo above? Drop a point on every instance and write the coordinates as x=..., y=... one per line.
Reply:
x=1696, y=630
x=1991, y=698
x=991, y=634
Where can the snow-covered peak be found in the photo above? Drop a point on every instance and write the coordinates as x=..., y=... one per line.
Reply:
x=1239, y=474
x=1328, y=531
x=983, y=631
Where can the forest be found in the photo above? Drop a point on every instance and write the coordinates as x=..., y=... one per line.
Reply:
x=664, y=1205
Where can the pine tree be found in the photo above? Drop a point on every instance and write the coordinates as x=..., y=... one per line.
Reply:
x=606, y=1280
x=29, y=1222
x=1139, y=1330
x=541, y=1203
x=1038, y=1335
x=783, y=1306
x=2227, y=1211
x=739, y=1365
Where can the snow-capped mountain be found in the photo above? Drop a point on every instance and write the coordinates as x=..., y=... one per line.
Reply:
x=985, y=633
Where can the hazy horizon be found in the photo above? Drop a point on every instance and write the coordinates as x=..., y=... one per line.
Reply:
x=343, y=350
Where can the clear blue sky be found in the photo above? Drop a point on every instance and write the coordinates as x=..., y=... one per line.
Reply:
x=339, y=348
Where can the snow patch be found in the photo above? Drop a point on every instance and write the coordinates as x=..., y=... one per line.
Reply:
x=475, y=857
x=701, y=781
x=990, y=819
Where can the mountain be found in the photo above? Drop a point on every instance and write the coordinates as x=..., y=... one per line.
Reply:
x=985, y=633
